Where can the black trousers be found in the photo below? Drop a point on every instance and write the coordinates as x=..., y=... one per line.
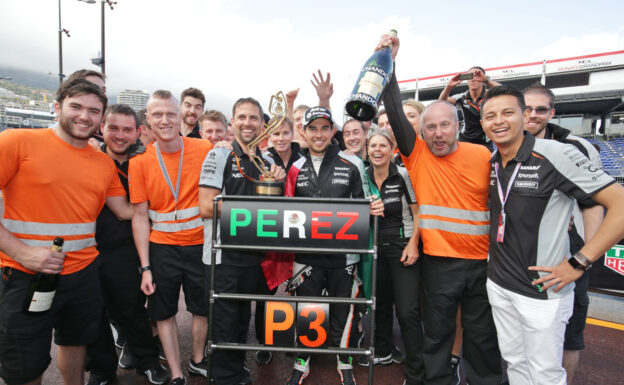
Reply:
x=231, y=321
x=399, y=285
x=339, y=282
x=124, y=304
x=448, y=282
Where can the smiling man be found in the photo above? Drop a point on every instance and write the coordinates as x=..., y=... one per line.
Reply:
x=354, y=134
x=325, y=171
x=191, y=106
x=47, y=178
x=533, y=185
x=213, y=126
x=121, y=285
x=228, y=172
x=168, y=231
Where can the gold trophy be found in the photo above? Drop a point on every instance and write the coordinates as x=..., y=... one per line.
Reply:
x=267, y=185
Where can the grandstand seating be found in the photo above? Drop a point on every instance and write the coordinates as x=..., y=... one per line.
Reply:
x=611, y=155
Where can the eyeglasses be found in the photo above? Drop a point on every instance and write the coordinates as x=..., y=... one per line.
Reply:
x=539, y=110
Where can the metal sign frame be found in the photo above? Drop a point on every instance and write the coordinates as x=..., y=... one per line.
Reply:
x=211, y=346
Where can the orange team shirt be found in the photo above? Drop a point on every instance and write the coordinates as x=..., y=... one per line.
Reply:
x=458, y=181
x=147, y=184
x=48, y=181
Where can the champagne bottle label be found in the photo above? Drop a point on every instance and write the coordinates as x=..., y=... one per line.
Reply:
x=41, y=301
x=371, y=84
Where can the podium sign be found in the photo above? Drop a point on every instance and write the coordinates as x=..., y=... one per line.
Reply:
x=295, y=223
x=310, y=320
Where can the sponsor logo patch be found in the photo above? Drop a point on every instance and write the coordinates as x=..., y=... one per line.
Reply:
x=340, y=181
x=526, y=184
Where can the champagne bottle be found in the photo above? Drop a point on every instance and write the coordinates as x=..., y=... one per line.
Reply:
x=364, y=100
x=43, y=286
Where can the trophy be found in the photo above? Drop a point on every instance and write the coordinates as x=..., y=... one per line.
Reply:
x=267, y=185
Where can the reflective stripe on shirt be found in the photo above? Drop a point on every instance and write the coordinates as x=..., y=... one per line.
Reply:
x=453, y=227
x=174, y=227
x=469, y=215
x=445, y=223
x=171, y=216
x=51, y=229
x=68, y=246
x=169, y=222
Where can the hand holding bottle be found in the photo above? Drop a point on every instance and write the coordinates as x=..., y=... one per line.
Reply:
x=41, y=259
x=387, y=40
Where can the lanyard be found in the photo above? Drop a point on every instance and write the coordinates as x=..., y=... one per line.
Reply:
x=163, y=169
x=241, y=169
x=477, y=107
x=503, y=199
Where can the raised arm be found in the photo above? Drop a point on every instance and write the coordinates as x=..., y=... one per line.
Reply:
x=324, y=88
x=452, y=83
x=403, y=130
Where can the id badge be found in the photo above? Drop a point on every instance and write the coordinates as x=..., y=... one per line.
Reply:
x=500, y=232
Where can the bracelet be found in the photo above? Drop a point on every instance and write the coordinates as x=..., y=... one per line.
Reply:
x=582, y=258
x=143, y=269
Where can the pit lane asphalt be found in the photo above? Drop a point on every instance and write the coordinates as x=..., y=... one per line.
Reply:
x=601, y=362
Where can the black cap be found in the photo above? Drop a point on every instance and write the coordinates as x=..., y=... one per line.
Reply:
x=317, y=112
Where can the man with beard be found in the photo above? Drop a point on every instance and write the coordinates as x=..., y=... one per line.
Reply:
x=226, y=172
x=121, y=285
x=168, y=231
x=540, y=103
x=49, y=191
x=191, y=106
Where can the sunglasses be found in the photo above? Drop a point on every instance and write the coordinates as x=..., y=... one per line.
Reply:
x=540, y=110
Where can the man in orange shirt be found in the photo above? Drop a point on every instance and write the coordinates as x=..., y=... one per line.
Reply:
x=451, y=182
x=164, y=188
x=49, y=191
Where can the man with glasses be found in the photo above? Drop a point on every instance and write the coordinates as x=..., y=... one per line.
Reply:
x=540, y=103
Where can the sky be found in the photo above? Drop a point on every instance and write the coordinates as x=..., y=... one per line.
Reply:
x=240, y=48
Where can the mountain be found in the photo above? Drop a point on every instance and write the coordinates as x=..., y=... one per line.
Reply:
x=32, y=79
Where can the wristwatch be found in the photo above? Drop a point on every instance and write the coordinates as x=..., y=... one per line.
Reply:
x=580, y=262
x=144, y=268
